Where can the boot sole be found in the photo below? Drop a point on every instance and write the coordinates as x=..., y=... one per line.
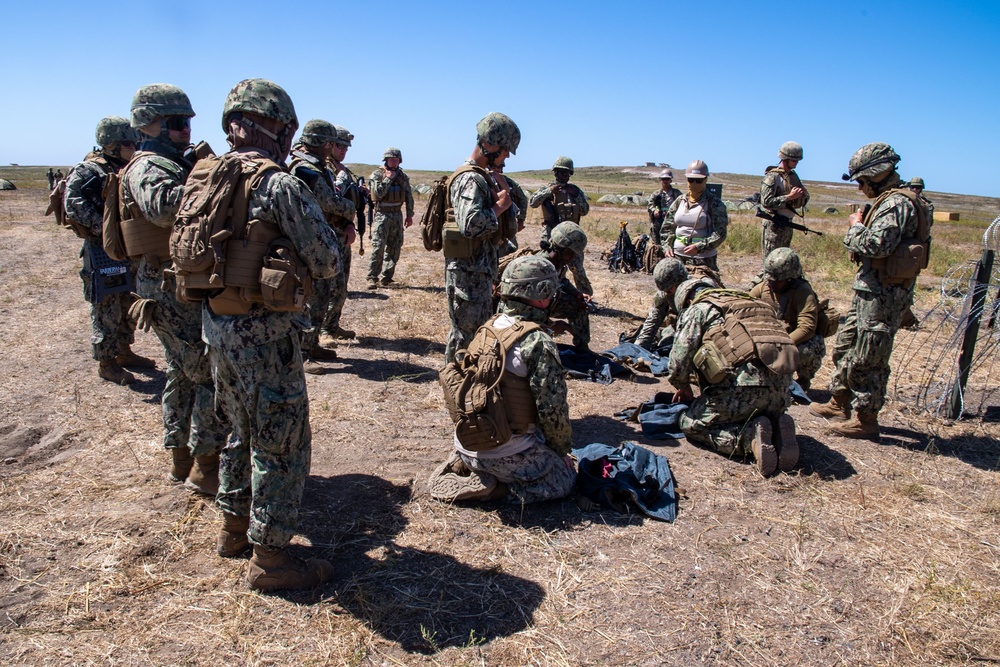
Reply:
x=763, y=447
x=788, y=455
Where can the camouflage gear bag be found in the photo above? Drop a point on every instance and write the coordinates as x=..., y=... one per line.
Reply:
x=913, y=252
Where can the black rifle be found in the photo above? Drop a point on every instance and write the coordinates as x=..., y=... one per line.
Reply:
x=782, y=221
x=365, y=200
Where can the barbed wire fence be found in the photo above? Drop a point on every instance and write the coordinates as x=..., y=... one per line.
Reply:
x=951, y=368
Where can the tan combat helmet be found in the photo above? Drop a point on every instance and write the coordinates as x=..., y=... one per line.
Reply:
x=790, y=150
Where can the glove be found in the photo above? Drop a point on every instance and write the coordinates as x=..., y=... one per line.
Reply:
x=142, y=312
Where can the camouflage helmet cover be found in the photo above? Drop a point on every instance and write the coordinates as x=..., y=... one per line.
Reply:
x=917, y=182
x=498, y=129
x=531, y=277
x=569, y=236
x=262, y=97
x=697, y=169
x=158, y=100
x=687, y=288
x=113, y=129
x=392, y=152
x=870, y=160
x=669, y=272
x=790, y=150
x=563, y=162
x=317, y=132
x=667, y=173
x=344, y=138
x=783, y=264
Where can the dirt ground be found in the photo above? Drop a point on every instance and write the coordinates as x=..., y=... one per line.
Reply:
x=866, y=554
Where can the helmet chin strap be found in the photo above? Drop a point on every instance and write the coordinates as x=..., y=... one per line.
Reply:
x=490, y=156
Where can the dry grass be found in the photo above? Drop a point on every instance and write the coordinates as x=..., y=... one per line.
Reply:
x=866, y=555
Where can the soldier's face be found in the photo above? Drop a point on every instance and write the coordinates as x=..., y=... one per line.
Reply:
x=562, y=175
x=392, y=162
x=126, y=149
x=665, y=183
x=179, y=129
x=340, y=152
x=788, y=164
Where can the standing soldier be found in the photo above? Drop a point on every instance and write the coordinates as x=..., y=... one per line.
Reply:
x=351, y=188
x=152, y=185
x=51, y=177
x=882, y=240
x=562, y=201
x=309, y=164
x=696, y=224
x=479, y=197
x=390, y=187
x=660, y=203
x=113, y=334
x=917, y=186
x=256, y=360
x=781, y=192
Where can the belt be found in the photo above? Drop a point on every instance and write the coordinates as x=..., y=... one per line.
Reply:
x=392, y=205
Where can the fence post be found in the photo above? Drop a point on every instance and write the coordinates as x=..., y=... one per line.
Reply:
x=979, y=292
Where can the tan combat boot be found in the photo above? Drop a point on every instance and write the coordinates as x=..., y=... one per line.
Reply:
x=204, y=477
x=340, y=333
x=182, y=462
x=233, y=541
x=788, y=444
x=112, y=372
x=130, y=358
x=837, y=409
x=276, y=569
x=862, y=426
x=762, y=445
x=320, y=353
x=453, y=480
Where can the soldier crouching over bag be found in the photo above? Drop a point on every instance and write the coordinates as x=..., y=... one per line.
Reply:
x=507, y=395
x=743, y=360
x=256, y=358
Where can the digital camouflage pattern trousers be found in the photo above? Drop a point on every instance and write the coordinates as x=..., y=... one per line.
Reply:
x=717, y=419
x=387, y=242
x=338, y=291
x=189, y=415
x=532, y=476
x=811, y=356
x=264, y=466
x=470, y=304
x=317, y=307
x=774, y=236
x=864, y=345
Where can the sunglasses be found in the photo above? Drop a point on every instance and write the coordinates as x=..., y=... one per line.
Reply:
x=127, y=144
x=696, y=180
x=178, y=123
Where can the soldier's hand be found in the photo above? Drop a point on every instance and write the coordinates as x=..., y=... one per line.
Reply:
x=408, y=222
x=796, y=193
x=556, y=189
x=350, y=235
x=570, y=462
x=691, y=249
x=503, y=202
x=855, y=218
x=683, y=395
x=668, y=251
x=142, y=312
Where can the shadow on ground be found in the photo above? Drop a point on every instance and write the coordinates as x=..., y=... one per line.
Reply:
x=420, y=346
x=383, y=370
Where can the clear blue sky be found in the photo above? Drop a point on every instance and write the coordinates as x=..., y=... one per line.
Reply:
x=605, y=83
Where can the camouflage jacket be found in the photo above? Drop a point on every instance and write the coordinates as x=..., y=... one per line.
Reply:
x=520, y=199
x=347, y=185
x=691, y=327
x=774, y=189
x=717, y=214
x=576, y=196
x=658, y=312
x=797, y=307
x=311, y=170
x=472, y=199
x=285, y=201
x=84, y=200
x=894, y=219
x=381, y=188
x=546, y=377
x=661, y=200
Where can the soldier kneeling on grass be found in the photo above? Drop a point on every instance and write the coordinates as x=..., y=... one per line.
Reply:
x=527, y=459
x=743, y=360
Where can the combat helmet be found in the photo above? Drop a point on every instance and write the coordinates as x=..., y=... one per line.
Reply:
x=782, y=264
x=262, y=97
x=317, y=132
x=569, y=236
x=669, y=272
x=114, y=129
x=917, y=182
x=531, y=278
x=697, y=169
x=344, y=138
x=790, y=150
x=498, y=129
x=870, y=160
x=392, y=152
x=157, y=100
x=687, y=288
x=563, y=162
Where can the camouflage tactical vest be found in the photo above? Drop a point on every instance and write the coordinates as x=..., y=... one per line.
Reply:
x=564, y=206
x=455, y=244
x=911, y=255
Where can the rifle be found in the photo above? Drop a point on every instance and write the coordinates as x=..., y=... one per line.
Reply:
x=782, y=221
x=364, y=200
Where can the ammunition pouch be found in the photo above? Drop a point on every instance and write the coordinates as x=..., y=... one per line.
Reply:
x=285, y=283
x=455, y=244
x=711, y=364
x=144, y=239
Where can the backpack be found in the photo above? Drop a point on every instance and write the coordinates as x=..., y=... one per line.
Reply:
x=432, y=222
x=913, y=252
x=484, y=417
x=57, y=200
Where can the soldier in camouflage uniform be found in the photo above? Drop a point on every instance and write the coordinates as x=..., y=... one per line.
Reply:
x=152, y=185
x=796, y=304
x=354, y=190
x=697, y=223
x=519, y=204
x=743, y=414
x=536, y=465
x=257, y=364
x=909, y=319
x=781, y=192
x=864, y=341
x=390, y=188
x=660, y=203
x=562, y=201
x=478, y=202
x=112, y=333
x=309, y=163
